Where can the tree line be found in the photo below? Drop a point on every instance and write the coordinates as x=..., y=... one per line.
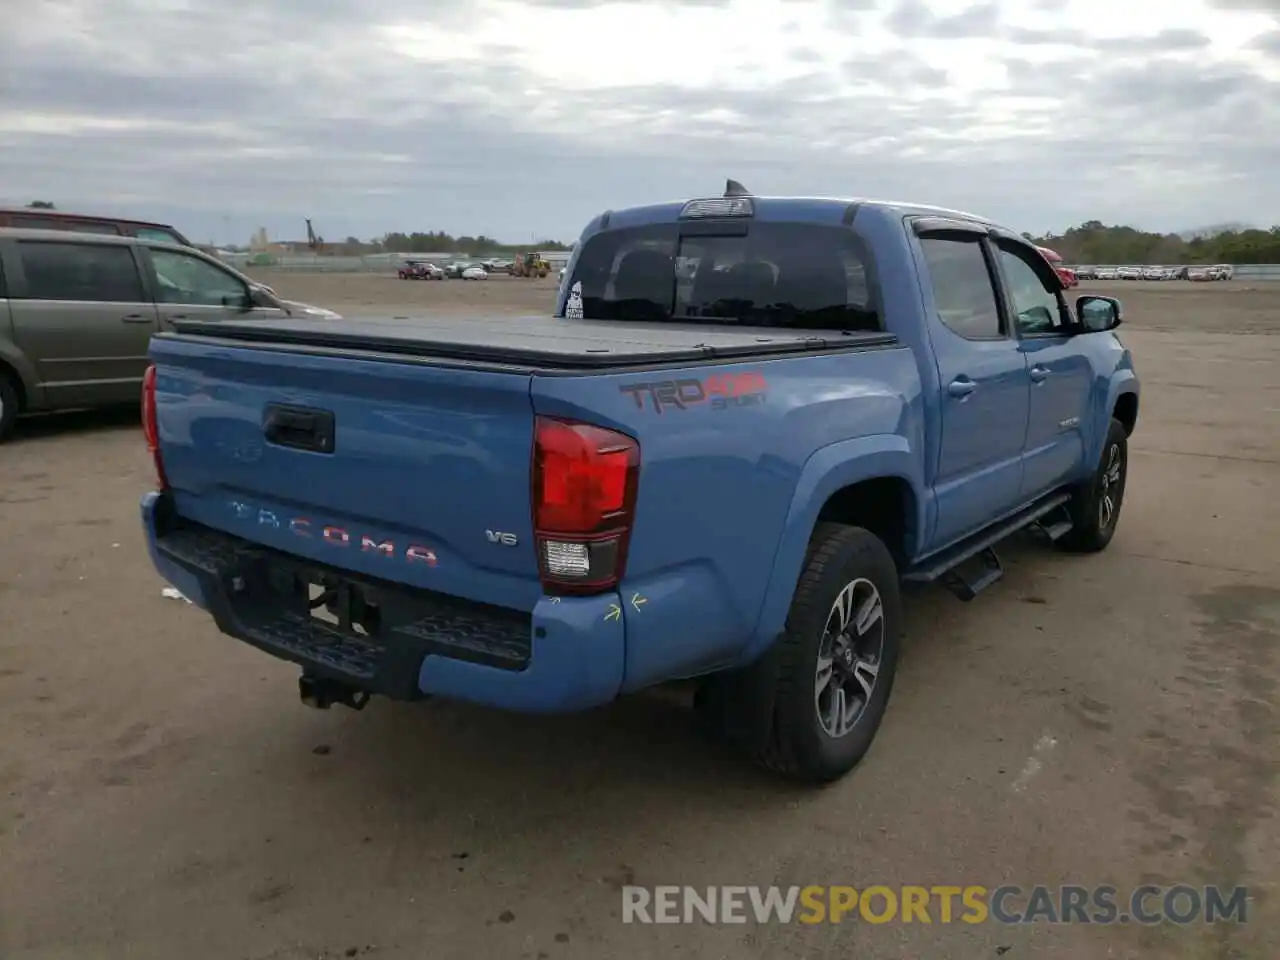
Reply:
x=1096, y=242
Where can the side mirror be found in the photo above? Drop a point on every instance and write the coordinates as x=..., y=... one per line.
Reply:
x=1098, y=314
x=260, y=296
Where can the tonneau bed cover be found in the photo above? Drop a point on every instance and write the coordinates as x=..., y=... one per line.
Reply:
x=533, y=341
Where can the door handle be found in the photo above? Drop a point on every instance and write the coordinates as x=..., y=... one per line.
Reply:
x=136, y=318
x=1037, y=374
x=961, y=388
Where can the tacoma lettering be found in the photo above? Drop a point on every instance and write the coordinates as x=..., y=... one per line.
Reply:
x=336, y=536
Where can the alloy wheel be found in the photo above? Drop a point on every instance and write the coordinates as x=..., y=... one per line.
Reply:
x=849, y=657
x=1111, y=487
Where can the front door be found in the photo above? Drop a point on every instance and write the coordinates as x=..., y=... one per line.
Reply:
x=191, y=287
x=80, y=314
x=984, y=389
x=1060, y=374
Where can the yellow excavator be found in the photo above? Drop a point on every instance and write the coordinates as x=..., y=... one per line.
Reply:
x=529, y=265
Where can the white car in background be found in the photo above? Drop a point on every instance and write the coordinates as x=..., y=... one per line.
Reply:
x=1129, y=273
x=1105, y=273
x=475, y=273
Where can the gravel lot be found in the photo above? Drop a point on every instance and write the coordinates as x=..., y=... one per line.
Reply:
x=1110, y=719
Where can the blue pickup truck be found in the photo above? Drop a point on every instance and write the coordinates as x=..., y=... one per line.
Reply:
x=749, y=421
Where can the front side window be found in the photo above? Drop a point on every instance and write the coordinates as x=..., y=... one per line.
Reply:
x=1036, y=308
x=791, y=275
x=963, y=291
x=185, y=279
x=80, y=271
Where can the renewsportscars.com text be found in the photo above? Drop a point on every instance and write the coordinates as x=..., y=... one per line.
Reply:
x=1180, y=904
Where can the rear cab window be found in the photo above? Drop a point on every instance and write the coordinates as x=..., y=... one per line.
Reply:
x=775, y=274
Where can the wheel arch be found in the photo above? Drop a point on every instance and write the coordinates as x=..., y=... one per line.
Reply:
x=873, y=482
x=1121, y=401
x=10, y=372
x=1125, y=409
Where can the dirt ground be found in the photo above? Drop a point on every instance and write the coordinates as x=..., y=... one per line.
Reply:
x=1101, y=720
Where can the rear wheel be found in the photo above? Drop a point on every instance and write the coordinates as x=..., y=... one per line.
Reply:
x=8, y=406
x=830, y=676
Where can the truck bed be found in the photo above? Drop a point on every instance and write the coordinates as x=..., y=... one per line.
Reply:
x=544, y=343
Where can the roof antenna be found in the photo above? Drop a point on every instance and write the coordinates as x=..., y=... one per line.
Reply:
x=732, y=188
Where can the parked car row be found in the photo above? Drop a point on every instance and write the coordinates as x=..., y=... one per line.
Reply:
x=1221, y=271
x=457, y=270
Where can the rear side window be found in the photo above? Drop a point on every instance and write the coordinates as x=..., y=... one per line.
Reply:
x=80, y=271
x=963, y=291
x=794, y=275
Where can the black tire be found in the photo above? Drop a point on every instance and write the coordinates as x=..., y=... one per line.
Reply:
x=773, y=709
x=1093, y=523
x=8, y=407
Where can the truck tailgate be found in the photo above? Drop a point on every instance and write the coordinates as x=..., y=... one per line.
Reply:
x=413, y=473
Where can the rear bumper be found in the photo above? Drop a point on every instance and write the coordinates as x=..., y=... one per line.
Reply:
x=567, y=655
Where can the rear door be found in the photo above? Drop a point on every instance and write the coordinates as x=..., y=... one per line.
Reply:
x=190, y=286
x=82, y=317
x=984, y=387
x=1058, y=370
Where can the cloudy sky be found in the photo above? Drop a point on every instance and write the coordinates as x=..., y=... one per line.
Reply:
x=521, y=117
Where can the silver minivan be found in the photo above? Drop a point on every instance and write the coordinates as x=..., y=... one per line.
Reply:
x=77, y=312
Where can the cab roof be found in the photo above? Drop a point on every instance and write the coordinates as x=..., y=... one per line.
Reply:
x=836, y=210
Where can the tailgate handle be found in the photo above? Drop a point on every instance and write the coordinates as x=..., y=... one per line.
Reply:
x=302, y=428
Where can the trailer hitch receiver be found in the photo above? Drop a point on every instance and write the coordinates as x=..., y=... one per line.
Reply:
x=322, y=693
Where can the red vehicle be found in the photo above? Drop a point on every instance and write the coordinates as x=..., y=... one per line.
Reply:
x=420, y=270
x=44, y=218
x=1065, y=273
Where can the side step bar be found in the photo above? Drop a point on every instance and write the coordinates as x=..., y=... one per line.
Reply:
x=945, y=565
x=1051, y=529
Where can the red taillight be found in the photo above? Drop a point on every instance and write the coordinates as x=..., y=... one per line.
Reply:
x=584, y=495
x=150, y=428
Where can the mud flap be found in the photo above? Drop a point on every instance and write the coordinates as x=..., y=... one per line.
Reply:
x=737, y=705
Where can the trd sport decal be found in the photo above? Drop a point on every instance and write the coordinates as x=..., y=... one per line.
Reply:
x=721, y=392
